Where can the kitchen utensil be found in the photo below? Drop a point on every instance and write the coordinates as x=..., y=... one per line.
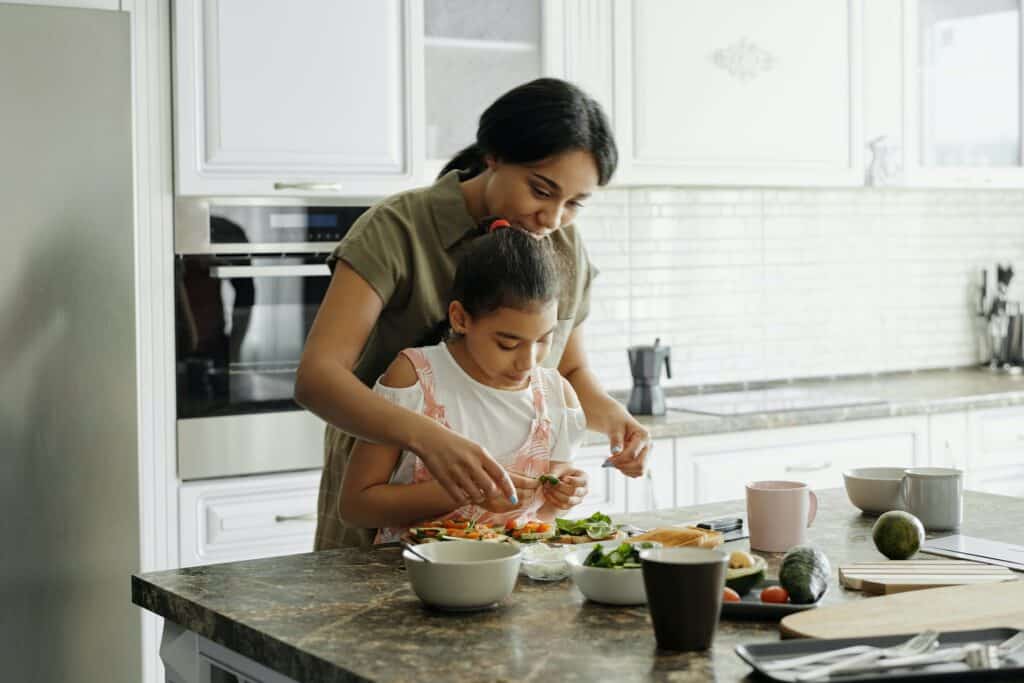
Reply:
x=750, y=606
x=762, y=656
x=976, y=655
x=841, y=654
x=935, y=495
x=977, y=550
x=779, y=513
x=415, y=552
x=463, y=576
x=897, y=576
x=941, y=609
x=875, y=490
x=647, y=396
x=919, y=644
x=684, y=589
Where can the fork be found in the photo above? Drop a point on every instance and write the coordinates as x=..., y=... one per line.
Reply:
x=977, y=656
x=917, y=645
x=805, y=660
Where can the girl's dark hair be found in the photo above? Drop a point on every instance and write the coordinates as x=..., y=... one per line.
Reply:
x=537, y=120
x=506, y=268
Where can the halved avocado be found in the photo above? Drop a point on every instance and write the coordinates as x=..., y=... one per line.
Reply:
x=742, y=579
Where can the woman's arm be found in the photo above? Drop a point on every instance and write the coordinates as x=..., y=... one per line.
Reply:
x=326, y=386
x=628, y=439
x=367, y=500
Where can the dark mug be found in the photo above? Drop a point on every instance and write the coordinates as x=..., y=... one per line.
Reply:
x=684, y=595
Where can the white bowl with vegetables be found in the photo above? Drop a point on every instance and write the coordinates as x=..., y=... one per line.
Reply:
x=610, y=573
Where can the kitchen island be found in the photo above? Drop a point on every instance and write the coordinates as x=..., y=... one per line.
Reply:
x=350, y=615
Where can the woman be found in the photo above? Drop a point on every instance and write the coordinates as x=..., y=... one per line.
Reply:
x=541, y=150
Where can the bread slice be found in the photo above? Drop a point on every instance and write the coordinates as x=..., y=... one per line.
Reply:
x=680, y=537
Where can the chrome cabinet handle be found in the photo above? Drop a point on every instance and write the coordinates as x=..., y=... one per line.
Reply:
x=309, y=187
x=808, y=468
x=315, y=269
x=307, y=517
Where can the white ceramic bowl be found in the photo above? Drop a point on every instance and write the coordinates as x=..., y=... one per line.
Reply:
x=609, y=586
x=463, y=576
x=874, y=489
x=545, y=562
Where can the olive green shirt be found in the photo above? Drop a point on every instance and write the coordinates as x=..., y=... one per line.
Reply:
x=407, y=248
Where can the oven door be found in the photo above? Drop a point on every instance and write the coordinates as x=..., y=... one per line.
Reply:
x=241, y=323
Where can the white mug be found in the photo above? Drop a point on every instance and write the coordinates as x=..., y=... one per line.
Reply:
x=935, y=495
x=778, y=514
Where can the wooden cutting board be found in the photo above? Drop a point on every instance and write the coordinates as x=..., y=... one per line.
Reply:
x=955, y=608
x=898, y=576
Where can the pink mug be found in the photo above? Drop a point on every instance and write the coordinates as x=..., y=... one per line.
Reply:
x=778, y=514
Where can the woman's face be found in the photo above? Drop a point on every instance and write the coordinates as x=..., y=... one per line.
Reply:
x=542, y=196
x=504, y=346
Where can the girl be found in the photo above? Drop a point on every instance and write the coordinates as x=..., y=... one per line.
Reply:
x=485, y=382
x=541, y=150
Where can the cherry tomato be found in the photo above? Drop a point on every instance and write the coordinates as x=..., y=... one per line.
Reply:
x=774, y=594
x=729, y=595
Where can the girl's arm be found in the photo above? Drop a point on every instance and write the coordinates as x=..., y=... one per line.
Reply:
x=326, y=386
x=368, y=501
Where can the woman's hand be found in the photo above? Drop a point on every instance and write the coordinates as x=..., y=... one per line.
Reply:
x=571, y=489
x=464, y=468
x=526, y=489
x=630, y=441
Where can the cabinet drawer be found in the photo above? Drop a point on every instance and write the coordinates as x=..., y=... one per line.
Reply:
x=998, y=437
x=248, y=517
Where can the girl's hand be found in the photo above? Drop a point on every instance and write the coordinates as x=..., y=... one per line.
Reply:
x=570, y=491
x=464, y=468
x=629, y=440
x=526, y=489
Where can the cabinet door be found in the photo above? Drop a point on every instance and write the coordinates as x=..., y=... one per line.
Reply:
x=291, y=98
x=247, y=517
x=963, y=86
x=656, y=489
x=474, y=51
x=718, y=467
x=997, y=437
x=739, y=92
x=607, y=485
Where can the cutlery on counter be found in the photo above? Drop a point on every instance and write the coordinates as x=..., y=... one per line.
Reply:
x=919, y=644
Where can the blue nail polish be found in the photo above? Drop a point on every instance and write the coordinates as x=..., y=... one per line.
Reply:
x=616, y=449
x=514, y=499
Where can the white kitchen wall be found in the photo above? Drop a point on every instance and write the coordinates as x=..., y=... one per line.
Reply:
x=761, y=284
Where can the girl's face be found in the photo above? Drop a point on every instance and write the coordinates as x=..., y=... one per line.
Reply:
x=543, y=196
x=501, y=348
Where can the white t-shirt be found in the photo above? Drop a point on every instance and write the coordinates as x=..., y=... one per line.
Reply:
x=497, y=419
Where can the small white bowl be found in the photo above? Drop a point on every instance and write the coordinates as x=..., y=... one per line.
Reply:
x=608, y=586
x=545, y=562
x=874, y=490
x=463, y=576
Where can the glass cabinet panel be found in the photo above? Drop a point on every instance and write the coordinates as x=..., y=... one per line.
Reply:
x=970, y=83
x=475, y=51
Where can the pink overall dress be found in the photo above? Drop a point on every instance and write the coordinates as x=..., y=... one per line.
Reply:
x=532, y=459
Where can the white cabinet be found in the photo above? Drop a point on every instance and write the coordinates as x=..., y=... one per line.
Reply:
x=607, y=485
x=248, y=517
x=280, y=97
x=474, y=51
x=81, y=4
x=996, y=451
x=716, y=468
x=963, y=87
x=656, y=490
x=738, y=92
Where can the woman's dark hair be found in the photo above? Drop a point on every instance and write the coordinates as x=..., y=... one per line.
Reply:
x=538, y=120
x=507, y=268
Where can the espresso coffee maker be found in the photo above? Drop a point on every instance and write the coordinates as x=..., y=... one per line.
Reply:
x=647, y=396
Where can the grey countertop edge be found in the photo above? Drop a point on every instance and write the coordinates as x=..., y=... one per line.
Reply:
x=682, y=424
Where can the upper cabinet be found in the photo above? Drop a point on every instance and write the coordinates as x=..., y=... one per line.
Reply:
x=963, y=93
x=737, y=92
x=280, y=97
x=473, y=51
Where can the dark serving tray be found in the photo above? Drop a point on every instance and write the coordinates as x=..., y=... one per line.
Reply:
x=751, y=607
x=759, y=654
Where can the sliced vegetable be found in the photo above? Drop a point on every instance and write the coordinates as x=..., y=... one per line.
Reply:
x=548, y=479
x=626, y=556
x=742, y=579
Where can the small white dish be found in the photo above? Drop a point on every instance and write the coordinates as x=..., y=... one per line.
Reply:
x=545, y=562
x=874, y=490
x=608, y=586
x=463, y=576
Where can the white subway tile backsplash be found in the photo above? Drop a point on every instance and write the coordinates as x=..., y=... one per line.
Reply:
x=756, y=284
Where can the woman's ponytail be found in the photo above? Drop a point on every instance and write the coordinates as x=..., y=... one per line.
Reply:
x=470, y=161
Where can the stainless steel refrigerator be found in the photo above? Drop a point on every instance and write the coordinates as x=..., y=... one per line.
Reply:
x=69, y=529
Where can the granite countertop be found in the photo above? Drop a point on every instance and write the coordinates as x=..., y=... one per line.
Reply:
x=905, y=393
x=344, y=615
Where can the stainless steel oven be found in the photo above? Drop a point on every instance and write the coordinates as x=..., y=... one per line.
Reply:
x=249, y=277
